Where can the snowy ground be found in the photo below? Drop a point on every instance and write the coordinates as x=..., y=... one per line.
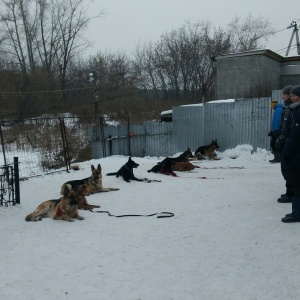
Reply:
x=226, y=240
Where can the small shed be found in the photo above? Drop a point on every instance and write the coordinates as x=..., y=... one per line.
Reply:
x=166, y=116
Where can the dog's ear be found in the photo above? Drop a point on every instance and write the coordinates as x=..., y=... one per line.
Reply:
x=68, y=186
x=92, y=167
x=66, y=190
x=99, y=167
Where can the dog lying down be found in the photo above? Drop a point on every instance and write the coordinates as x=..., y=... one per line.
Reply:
x=126, y=171
x=183, y=166
x=93, y=183
x=64, y=208
x=81, y=191
x=164, y=167
x=207, y=151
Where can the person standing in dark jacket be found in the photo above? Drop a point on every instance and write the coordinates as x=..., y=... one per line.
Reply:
x=287, y=197
x=291, y=153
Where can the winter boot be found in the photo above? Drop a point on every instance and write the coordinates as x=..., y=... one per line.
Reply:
x=287, y=197
x=277, y=157
x=295, y=215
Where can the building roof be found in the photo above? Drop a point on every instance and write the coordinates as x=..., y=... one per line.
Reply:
x=265, y=52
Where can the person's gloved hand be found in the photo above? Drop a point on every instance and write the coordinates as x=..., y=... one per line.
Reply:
x=279, y=142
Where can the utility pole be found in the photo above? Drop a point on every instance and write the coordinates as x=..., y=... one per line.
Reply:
x=93, y=83
x=295, y=32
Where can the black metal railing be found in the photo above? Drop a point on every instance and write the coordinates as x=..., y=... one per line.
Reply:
x=9, y=184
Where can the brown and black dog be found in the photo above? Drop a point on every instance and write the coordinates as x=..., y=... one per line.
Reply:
x=183, y=157
x=164, y=167
x=81, y=192
x=183, y=166
x=64, y=208
x=93, y=183
x=207, y=151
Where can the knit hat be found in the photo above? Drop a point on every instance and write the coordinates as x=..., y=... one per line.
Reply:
x=274, y=102
x=287, y=89
x=296, y=90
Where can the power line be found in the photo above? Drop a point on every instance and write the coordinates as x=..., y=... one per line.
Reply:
x=48, y=91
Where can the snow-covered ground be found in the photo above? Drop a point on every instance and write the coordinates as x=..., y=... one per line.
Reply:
x=225, y=241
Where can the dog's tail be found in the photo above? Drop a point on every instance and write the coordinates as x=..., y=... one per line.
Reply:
x=111, y=174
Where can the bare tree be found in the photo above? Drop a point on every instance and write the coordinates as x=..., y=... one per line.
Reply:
x=43, y=36
x=179, y=66
x=249, y=34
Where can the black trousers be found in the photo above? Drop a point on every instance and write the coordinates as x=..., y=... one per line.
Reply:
x=295, y=174
x=273, y=144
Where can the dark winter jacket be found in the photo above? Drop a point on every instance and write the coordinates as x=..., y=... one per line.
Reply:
x=291, y=151
x=282, y=128
x=284, y=116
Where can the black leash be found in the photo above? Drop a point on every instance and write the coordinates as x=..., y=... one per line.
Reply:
x=163, y=214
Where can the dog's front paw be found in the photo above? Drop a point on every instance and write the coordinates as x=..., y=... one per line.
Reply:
x=80, y=218
x=38, y=218
x=71, y=220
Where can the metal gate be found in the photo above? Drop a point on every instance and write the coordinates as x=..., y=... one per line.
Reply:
x=9, y=184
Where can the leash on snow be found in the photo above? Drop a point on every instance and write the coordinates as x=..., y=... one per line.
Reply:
x=163, y=214
x=222, y=168
x=202, y=177
x=146, y=180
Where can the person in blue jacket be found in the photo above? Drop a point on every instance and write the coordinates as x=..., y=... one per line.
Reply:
x=274, y=133
x=291, y=153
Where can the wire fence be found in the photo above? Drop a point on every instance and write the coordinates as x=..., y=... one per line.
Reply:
x=45, y=145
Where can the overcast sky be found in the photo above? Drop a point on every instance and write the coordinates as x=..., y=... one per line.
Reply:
x=129, y=22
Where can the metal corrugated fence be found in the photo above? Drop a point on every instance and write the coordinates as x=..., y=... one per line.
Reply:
x=243, y=121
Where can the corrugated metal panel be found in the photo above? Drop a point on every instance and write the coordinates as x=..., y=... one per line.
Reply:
x=188, y=127
x=219, y=119
x=245, y=121
x=116, y=140
x=159, y=139
x=137, y=140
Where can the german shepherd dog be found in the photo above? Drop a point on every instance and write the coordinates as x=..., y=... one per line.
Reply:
x=64, y=208
x=93, y=183
x=184, y=166
x=126, y=171
x=207, y=151
x=81, y=192
x=183, y=157
x=164, y=167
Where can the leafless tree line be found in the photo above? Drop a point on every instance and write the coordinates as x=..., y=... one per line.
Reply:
x=43, y=67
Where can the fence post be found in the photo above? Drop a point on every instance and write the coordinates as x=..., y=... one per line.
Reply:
x=17, y=179
x=102, y=136
x=110, y=145
x=65, y=143
x=128, y=134
x=2, y=144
